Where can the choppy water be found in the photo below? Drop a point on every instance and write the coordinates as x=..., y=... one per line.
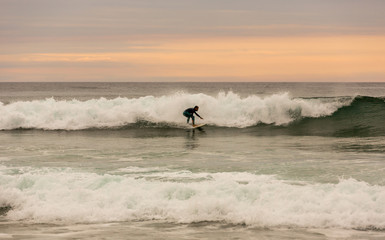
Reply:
x=89, y=160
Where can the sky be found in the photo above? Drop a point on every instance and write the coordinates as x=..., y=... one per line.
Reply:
x=195, y=40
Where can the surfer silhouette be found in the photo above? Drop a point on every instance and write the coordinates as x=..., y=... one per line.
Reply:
x=189, y=113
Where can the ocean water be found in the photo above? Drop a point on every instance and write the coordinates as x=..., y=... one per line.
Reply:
x=118, y=161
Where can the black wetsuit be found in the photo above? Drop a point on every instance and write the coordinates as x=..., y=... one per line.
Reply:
x=189, y=113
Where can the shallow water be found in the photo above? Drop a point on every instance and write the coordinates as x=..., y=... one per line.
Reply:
x=162, y=230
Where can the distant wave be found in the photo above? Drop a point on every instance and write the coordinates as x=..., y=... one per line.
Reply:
x=223, y=110
x=62, y=195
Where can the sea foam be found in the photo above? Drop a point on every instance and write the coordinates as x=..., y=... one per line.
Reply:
x=63, y=195
x=224, y=110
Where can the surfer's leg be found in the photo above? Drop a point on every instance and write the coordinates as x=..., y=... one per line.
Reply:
x=193, y=119
x=187, y=115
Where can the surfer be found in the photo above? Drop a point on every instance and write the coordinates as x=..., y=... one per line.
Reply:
x=189, y=113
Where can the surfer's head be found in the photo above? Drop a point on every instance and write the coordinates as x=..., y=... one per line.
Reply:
x=196, y=108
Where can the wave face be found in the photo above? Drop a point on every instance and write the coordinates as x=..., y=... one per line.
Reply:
x=223, y=110
x=135, y=194
x=364, y=117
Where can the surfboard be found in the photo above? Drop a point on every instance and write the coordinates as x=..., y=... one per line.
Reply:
x=198, y=125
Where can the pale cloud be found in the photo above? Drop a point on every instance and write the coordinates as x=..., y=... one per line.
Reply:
x=65, y=57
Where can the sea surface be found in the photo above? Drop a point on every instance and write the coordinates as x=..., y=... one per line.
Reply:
x=118, y=161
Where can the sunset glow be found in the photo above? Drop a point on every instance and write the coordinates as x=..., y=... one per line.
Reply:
x=270, y=52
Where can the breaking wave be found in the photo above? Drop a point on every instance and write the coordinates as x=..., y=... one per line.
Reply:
x=274, y=114
x=223, y=110
x=131, y=194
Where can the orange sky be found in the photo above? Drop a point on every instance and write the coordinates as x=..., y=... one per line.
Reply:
x=220, y=59
x=192, y=41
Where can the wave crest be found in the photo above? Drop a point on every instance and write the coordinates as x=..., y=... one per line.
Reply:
x=224, y=110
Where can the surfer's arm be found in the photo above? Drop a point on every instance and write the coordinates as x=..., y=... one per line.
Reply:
x=198, y=115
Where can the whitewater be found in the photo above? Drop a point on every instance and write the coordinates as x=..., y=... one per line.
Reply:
x=226, y=109
x=57, y=195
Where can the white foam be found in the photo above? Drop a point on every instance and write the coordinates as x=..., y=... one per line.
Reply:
x=225, y=109
x=5, y=236
x=56, y=195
